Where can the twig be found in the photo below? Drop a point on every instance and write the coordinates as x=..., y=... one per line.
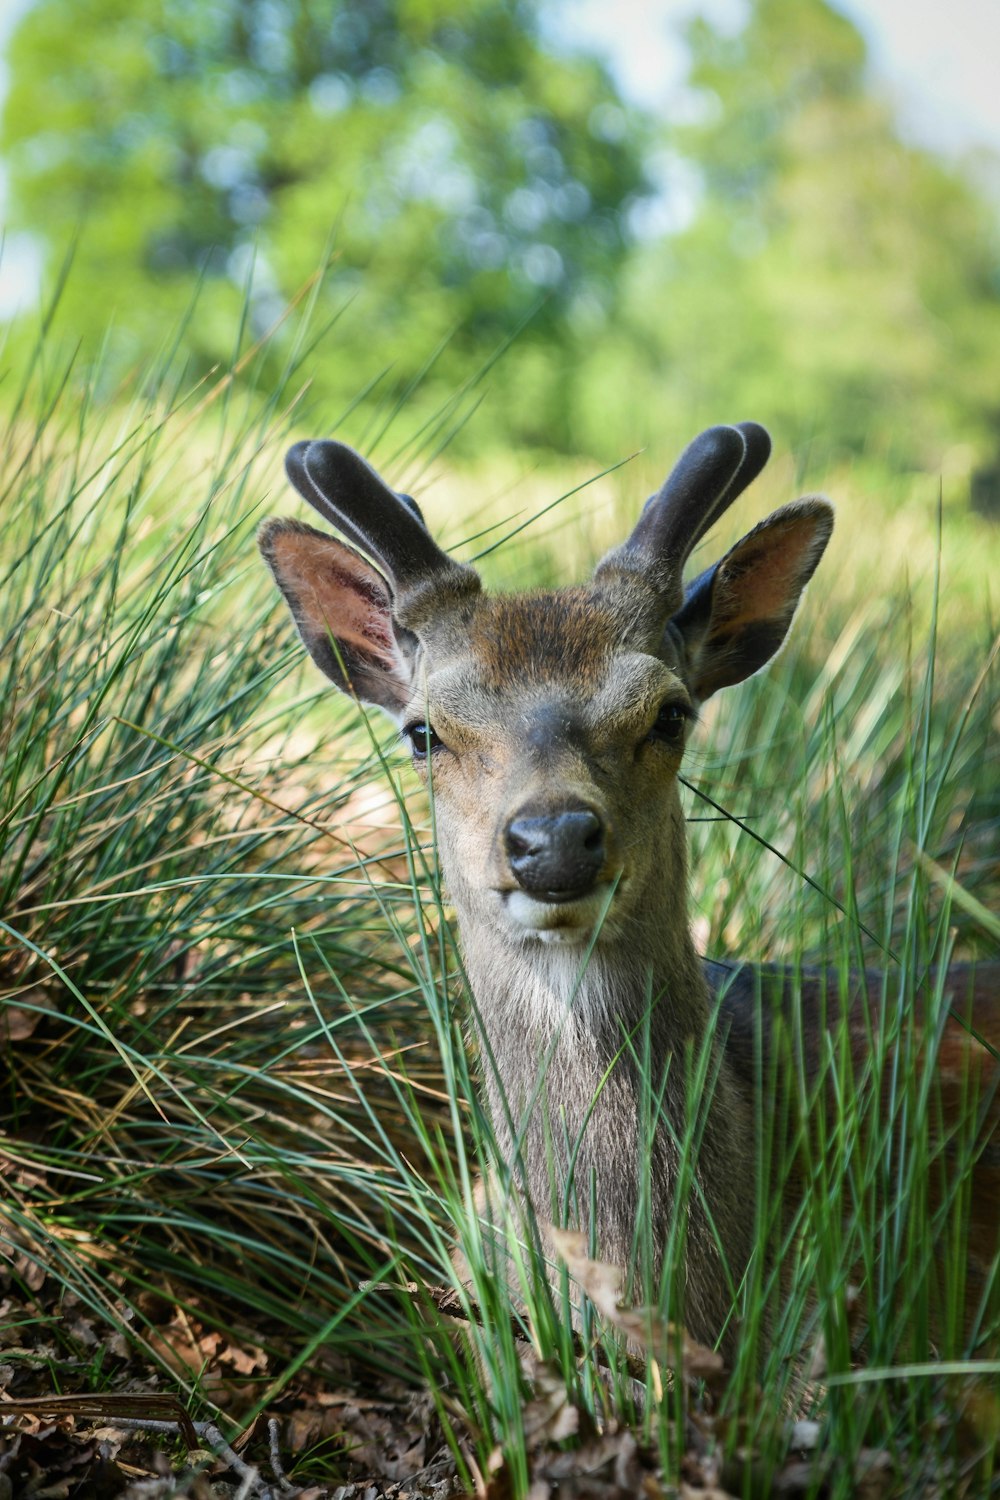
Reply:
x=123, y=1409
x=207, y=1431
x=276, y=1467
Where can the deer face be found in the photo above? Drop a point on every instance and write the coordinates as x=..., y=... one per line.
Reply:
x=552, y=752
x=550, y=727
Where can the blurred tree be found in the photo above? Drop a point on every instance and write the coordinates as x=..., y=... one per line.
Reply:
x=467, y=175
x=834, y=280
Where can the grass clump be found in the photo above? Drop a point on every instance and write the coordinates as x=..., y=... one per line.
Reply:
x=172, y=1113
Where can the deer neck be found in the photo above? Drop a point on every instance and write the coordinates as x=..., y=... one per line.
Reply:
x=557, y=997
x=586, y=1066
x=577, y=1020
x=573, y=1048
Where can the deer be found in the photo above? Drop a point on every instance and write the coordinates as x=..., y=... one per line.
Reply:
x=551, y=727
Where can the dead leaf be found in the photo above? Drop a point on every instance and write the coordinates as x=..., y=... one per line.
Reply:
x=244, y=1361
x=31, y=1271
x=19, y=1021
x=52, y=1462
x=671, y=1346
x=601, y=1282
x=550, y=1417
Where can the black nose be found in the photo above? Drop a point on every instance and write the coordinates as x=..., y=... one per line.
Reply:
x=559, y=857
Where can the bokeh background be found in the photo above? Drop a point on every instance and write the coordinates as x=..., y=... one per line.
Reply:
x=592, y=223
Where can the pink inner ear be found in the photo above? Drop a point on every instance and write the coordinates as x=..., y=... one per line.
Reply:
x=337, y=593
x=767, y=573
x=351, y=602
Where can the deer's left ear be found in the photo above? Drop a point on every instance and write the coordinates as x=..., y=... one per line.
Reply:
x=736, y=614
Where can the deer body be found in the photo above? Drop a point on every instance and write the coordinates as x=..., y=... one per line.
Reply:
x=551, y=728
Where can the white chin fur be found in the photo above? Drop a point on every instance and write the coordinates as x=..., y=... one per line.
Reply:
x=556, y=922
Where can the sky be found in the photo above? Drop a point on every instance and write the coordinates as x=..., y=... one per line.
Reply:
x=939, y=62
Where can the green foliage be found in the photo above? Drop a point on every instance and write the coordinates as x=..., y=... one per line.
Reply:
x=469, y=185
x=234, y=1060
x=462, y=174
x=836, y=282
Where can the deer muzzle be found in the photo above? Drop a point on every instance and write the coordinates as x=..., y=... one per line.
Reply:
x=558, y=856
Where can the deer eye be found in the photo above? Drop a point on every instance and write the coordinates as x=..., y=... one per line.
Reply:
x=670, y=724
x=422, y=739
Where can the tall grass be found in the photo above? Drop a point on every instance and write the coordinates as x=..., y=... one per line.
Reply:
x=175, y=1097
x=236, y=1068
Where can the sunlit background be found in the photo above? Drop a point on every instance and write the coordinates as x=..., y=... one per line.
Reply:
x=596, y=218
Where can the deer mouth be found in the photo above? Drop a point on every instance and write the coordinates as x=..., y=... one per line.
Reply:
x=559, y=917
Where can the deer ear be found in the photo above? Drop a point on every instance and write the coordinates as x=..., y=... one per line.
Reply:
x=343, y=610
x=737, y=613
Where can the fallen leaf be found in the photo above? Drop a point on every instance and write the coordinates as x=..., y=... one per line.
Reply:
x=19, y=1021
x=550, y=1417
x=602, y=1282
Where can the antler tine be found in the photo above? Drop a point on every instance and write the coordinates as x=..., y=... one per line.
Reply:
x=710, y=473
x=349, y=494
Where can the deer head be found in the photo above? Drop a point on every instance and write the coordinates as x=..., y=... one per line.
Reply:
x=551, y=725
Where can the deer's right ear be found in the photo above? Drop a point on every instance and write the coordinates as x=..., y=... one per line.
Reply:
x=343, y=610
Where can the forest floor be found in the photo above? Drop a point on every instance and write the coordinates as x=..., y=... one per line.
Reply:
x=84, y=1412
